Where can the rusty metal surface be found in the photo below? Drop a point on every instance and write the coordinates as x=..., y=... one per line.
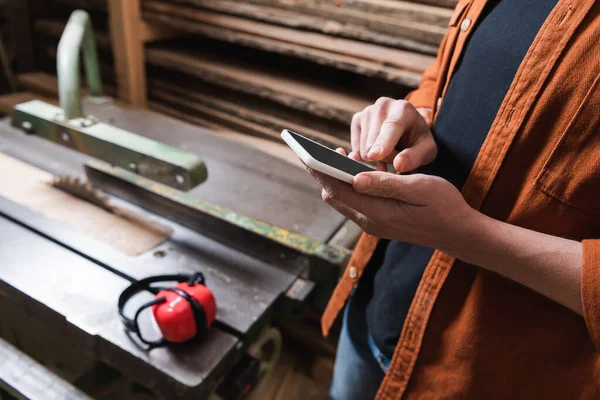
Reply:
x=74, y=295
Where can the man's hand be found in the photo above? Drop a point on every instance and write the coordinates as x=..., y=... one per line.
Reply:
x=429, y=211
x=419, y=209
x=393, y=132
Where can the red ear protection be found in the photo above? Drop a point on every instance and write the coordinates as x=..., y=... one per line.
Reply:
x=177, y=318
x=182, y=312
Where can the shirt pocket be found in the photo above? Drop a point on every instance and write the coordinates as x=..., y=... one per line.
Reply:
x=572, y=172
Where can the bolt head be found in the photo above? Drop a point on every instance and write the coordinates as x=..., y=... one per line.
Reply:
x=27, y=127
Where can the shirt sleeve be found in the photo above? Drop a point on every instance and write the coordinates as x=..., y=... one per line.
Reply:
x=425, y=94
x=590, y=288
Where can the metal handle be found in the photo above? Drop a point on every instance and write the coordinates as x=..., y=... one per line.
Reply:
x=77, y=37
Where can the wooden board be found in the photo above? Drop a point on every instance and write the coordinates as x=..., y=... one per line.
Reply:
x=408, y=32
x=404, y=60
x=128, y=50
x=265, y=83
x=439, y=3
x=362, y=66
x=9, y=101
x=204, y=116
x=89, y=5
x=225, y=111
x=54, y=28
x=392, y=10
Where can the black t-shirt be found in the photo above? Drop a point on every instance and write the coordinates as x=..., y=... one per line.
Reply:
x=485, y=72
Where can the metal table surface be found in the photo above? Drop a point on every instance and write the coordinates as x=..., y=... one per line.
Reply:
x=77, y=296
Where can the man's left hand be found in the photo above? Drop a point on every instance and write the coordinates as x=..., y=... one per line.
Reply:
x=419, y=209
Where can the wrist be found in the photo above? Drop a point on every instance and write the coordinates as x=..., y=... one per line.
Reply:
x=468, y=237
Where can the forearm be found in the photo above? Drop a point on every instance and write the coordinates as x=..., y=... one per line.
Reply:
x=547, y=264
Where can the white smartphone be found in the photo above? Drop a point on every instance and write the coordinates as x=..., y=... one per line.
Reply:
x=323, y=159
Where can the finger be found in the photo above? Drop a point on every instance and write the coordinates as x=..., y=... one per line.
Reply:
x=378, y=116
x=338, y=206
x=406, y=188
x=365, y=123
x=353, y=215
x=392, y=129
x=339, y=192
x=422, y=152
x=355, y=132
x=354, y=155
x=341, y=151
x=381, y=166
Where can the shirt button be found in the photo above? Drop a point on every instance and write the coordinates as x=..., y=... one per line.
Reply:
x=353, y=272
x=439, y=102
x=465, y=24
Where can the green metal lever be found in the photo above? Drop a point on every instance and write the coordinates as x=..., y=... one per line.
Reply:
x=68, y=126
x=78, y=34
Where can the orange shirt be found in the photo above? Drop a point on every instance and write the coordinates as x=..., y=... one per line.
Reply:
x=471, y=333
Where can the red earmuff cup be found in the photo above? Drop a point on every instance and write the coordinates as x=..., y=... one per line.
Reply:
x=175, y=317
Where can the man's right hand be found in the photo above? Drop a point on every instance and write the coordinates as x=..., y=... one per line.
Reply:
x=393, y=132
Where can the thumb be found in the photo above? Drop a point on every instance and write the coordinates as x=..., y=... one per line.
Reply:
x=383, y=184
x=422, y=152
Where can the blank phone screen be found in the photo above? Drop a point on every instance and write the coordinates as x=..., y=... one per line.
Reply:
x=330, y=157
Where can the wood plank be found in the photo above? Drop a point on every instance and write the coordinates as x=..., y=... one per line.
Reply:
x=39, y=82
x=9, y=101
x=270, y=147
x=393, y=10
x=277, y=87
x=225, y=119
x=336, y=21
x=438, y=3
x=244, y=114
x=128, y=50
x=339, y=61
x=55, y=28
x=150, y=32
x=405, y=60
x=88, y=5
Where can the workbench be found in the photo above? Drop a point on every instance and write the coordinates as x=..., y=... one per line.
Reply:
x=64, y=285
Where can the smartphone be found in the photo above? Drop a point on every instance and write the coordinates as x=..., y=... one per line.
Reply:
x=323, y=159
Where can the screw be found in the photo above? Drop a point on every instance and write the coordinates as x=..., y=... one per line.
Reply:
x=65, y=137
x=132, y=166
x=160, y=253
x=180, y=179
x=27, y=127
